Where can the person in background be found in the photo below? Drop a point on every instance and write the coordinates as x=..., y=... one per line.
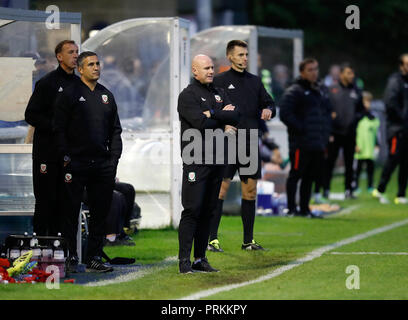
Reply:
x=366, y=137
x=305, y=110
x=39, y=114
x=396, y=106
x=346, y=101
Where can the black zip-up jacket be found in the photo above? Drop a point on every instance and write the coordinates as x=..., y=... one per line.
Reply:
x=40, y=112
x=396, y=104
x=347, y=103
x=248, y=94
x=306, y=110
x=193, y=101
x=87, y=125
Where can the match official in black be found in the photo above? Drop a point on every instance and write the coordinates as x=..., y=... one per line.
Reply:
x=201, y=106
x=88, y=133
x=248, y=94
x=39, y=114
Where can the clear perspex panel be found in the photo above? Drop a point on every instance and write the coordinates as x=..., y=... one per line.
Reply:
x=26, y=54
x=213, y=42
x=141, y=65
x=275, y=64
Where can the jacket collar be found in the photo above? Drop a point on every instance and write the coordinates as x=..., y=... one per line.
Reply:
x=205, y=86
x=237, y=73
x=350, y=86
x=63, y=73
x=307, y=85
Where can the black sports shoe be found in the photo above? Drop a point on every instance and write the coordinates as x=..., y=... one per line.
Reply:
x=203, y=266
x=185, y=266
x=290, y=213
x=120, y=241
x=96, y=265
x=311, y=215
x=71, y=264
x=252, y=246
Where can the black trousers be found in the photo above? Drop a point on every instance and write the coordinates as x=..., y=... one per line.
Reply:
x=129, y=194
x=47, y=186
x=397, y=156
x=369, y=169
x=348, y=144
x=200, y=189
x=305, y=166
x=116, y=216
x=99, y=182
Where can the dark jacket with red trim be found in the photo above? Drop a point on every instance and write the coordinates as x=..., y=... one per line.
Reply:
x=306, y=111
x=396, y=104
x=347, y=103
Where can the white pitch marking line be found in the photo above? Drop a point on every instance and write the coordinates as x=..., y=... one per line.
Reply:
x=344, y=211
x=133, y=275
x=371, y=253
x=309, y=257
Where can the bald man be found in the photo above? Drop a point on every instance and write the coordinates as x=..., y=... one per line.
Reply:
x=204, y=111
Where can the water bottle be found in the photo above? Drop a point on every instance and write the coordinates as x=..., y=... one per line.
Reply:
x=35, y=247
x=58, y=251
x=47, y=252
x=14, y=253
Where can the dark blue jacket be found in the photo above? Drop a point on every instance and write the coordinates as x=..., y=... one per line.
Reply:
x=306, y=111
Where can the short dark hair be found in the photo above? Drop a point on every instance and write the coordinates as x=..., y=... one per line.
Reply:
x=305, y=62
x=85, y=55
x=401, y=58
x=345, y=65
x=59, y=46
x=235, y=43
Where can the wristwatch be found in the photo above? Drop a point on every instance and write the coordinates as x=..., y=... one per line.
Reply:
x=212, y=113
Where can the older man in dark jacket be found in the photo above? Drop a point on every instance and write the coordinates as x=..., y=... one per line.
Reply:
x=305, y=110
x=396, y=104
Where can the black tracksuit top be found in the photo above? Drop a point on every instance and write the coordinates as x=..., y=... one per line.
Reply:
x=396, y=104
x=247, y=94
x=348, y=105
x=197, y=98
x=40, y=112
x=87, y=124
x=306, y=111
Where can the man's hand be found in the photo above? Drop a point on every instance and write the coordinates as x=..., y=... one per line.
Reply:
x=67, y=160
x=230, y=129
x=276, y=157
x=229, y=107
x=207, y=114
x=266, y=114
x=334, y=115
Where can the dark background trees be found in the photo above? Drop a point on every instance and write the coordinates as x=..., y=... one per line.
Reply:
x=373, y=49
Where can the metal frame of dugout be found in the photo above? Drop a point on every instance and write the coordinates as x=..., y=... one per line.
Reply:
x=150, y=62
x=26, y=32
